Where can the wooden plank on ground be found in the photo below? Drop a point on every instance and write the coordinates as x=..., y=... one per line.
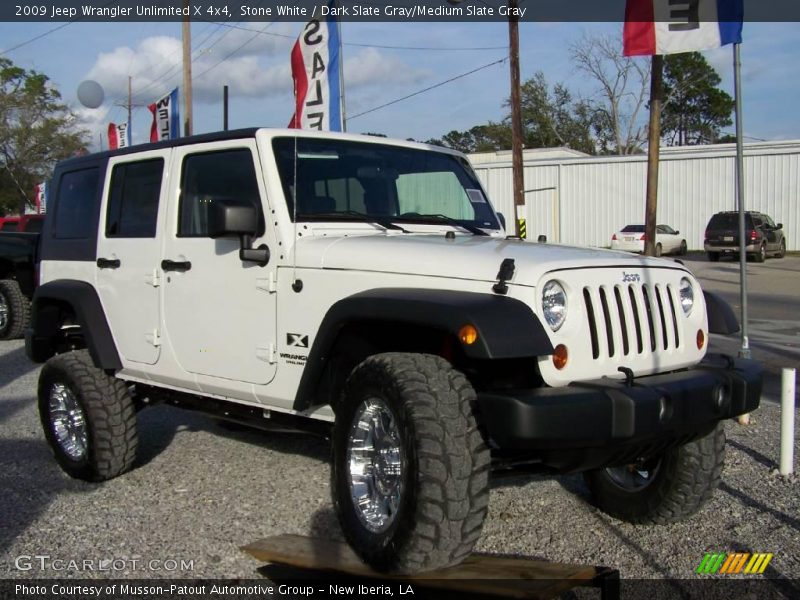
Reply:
x=508, y=577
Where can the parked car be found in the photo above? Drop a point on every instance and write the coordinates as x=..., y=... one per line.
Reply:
x=763, y=237
x=631, y=238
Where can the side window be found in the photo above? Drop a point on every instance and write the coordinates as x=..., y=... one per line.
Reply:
x=77, y=192
x=213, y=176
x=133, y=199
x=769, y=221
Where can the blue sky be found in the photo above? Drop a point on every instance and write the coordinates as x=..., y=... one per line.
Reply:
x=260, y=82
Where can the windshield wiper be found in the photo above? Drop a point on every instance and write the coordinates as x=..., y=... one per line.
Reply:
x=454, y=222
x=371, y=219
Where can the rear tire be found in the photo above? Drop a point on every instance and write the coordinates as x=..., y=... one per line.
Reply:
x=14, y=310
x=410, y=477
x=761, y=255
x=88, y=417
x=666, y=488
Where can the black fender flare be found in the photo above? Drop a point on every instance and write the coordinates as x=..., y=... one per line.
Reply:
x=84, y=301
x=507, y=327
x=721, y=318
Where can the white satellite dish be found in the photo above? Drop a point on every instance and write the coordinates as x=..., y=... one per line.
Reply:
x=90, y=94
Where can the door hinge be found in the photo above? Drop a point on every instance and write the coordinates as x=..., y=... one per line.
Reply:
x=153, y=338
x=153, y=278
x=267, y=284
x=267, y=354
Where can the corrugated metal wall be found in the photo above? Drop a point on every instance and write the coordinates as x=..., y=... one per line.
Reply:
x=583, y=201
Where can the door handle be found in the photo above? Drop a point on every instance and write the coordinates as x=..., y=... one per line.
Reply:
x=108, y=263
x=176, y=265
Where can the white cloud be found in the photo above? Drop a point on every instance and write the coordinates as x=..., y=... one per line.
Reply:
x=370, y=68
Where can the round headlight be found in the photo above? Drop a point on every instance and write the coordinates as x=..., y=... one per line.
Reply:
x=686, y=294
x=554, y=304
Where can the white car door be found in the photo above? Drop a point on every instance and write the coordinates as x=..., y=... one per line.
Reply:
x=129, y=252
x=219, y=311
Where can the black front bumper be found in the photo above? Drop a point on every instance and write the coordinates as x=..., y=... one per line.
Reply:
x=598, y=417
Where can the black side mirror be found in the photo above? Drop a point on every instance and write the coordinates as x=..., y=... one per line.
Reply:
x=677, y=232
x=228, y=220
x=233, y=220
x=779, y=226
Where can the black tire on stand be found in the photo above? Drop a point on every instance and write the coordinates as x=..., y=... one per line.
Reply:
x=410, y=470
x=665, y=489
x=88, y=417
x=14, y=310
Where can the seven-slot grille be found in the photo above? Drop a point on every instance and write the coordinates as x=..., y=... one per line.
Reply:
x=632, y=319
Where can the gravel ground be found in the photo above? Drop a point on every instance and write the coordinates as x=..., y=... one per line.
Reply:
x=199, y=491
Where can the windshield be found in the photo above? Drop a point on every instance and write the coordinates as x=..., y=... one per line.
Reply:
x=337, y=179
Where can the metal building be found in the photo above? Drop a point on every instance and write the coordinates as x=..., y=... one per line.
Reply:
x=582, y=200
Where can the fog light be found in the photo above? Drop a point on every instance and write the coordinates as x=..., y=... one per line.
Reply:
x=560, y=356
x=701, y=339
x=468, y=335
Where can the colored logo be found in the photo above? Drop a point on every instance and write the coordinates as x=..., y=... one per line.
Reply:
x=734, y=563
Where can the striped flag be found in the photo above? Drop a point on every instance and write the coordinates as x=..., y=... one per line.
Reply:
x=166, y=118
x=315, y=71
x=119, y=136
x=669, y=27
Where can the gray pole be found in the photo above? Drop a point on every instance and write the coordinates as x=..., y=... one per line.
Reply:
x=225, y=108
x=744, y=351
x=342, y=104
x=187, y=74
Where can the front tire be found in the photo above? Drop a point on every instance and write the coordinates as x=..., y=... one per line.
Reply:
x=684, y=248
x=658, y=249
x=666, y=488
x=410, y=470
x=14, y=310
x=88, y=417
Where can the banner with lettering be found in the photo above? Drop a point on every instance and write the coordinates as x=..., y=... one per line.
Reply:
x=119, y=136
x=40, y=198
x=166, y=118
x=669, y=27
x=315, y=71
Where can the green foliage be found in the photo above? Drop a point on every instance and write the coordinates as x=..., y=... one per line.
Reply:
x=695, y=109
x=36, y=131
x=549, y=118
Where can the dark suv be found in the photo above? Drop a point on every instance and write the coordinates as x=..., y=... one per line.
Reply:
x=762, y=236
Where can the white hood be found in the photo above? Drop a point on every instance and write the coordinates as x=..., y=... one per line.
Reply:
x=464, y=257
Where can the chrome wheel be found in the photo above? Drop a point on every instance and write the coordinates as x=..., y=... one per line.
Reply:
x=68, y=421
x=375, y=459
x=3, y=312
x=636, y=476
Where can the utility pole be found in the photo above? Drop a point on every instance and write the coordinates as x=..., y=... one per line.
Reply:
x=129, y=106
x=516, y=114
x=224, y=108
x=653, y=141
x=187, y=72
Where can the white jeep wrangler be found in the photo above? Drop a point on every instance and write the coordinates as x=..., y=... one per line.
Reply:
x=367, y=286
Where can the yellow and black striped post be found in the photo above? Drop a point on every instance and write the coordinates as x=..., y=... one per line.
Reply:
x=522, y=229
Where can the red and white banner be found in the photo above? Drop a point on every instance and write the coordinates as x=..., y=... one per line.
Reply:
x=40, y=198
x=119, y=136
x=166, y=118
x=669, y=27
x=315, y=71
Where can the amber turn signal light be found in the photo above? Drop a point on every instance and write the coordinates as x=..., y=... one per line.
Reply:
x=468, y=335
x=560, y=356
x=701, y=339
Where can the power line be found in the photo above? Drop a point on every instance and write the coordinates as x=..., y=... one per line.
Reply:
x=381, y=46
x=429, y=88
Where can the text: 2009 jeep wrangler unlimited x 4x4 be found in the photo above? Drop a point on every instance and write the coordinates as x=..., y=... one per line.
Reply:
x=338, y=278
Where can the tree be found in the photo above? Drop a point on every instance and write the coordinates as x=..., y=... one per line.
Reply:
x=36, y=131
x=623, y=90
x=550, y=118
x=695, y=109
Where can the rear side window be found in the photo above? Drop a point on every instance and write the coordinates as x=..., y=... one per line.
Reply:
x=210, y=177
x=133, y=199
x=75, y=204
